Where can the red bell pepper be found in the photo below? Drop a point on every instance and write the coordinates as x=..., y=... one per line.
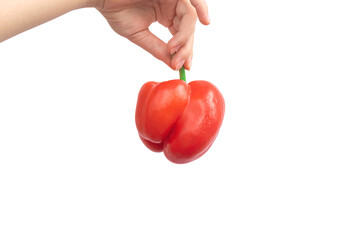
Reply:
x=178, y=118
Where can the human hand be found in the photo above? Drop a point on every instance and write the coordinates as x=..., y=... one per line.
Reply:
x=132, y=18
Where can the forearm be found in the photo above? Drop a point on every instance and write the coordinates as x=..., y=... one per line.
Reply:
x=17, y=16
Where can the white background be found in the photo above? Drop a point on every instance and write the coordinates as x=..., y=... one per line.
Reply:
x=284, y=166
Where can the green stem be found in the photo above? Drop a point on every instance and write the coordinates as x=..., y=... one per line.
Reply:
x=182, y=74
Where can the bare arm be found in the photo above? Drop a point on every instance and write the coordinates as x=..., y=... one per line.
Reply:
x=17, y=16
x=129, y=18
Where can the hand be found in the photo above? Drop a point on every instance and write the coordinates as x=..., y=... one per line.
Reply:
x=132, y=18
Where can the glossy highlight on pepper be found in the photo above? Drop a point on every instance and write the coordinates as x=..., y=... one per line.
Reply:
x=181, y=119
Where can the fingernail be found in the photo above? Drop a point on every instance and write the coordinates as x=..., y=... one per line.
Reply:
x=208, y=18
x=174, y=49
x=179, y=65
x=190, y=63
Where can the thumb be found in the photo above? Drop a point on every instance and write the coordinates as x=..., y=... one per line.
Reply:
x=152, y=44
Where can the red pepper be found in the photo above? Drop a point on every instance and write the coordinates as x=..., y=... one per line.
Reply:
x=180, y=119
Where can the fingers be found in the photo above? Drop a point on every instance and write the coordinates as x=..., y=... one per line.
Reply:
x=188, y=63
x=151, y=43
x=183, y=55
x=183, y=29
x=201, y=10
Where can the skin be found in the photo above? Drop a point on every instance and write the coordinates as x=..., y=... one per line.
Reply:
x=129, y=18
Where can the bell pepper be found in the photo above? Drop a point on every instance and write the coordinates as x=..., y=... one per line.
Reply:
x=181, y=119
